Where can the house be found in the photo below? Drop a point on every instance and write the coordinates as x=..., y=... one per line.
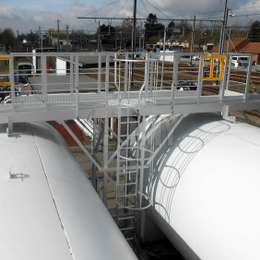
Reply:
x=254, y=49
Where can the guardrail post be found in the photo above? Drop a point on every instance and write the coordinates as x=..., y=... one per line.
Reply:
x=115, y=69
x=175, y=78
x=223, y=84
x=200, y=76
x=126, y=72
x=99, y=71
x=146, y=74
x=77, y=84
x=44, y=77
x=107, y=80
x=248, y=79
x=71, y=74
x=229, y=71
x=11, y=78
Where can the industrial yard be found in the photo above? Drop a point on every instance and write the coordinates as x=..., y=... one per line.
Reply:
x=129, y=130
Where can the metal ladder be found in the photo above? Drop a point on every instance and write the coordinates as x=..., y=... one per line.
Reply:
x=130, y=156
x=128, y=167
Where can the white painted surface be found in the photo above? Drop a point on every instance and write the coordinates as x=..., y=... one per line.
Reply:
x=34, y=61
x=29, y=225
x=213, y=206
x=54, y=213
x=61, y=66
x=167, y=56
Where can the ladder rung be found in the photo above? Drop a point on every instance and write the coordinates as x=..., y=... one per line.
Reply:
x=127, y=184
x=127, y=229
x=129, y=122
x=131, y=169
x=123, y=183
x=131, y=206
x=128, y=195
x=130, y=238
x=130, y=175
x=126, y=218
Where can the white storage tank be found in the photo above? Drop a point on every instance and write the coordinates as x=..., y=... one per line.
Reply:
x=206, y=198
x=49, y=209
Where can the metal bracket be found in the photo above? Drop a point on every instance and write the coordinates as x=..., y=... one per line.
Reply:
x=20, y=176
x=226, y=116
x=10, y=127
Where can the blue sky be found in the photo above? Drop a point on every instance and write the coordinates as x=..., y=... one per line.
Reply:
x=24, y=15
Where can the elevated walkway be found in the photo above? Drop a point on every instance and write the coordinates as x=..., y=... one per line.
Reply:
x=57, y=107
x=149, y=86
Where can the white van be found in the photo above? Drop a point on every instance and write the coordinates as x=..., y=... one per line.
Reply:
x=240, y=61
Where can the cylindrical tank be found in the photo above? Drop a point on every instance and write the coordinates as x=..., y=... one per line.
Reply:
x=49, y=210
x=206, y=196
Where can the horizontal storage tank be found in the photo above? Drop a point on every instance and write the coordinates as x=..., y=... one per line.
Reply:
x=206, y=198
x=49, y=210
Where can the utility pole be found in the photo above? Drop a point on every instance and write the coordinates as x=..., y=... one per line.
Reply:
x=99, y=38
x=40, y=38
x=223, y=30
x=134, y=27
x=58, y=35
x=193, y=34
x=68, y=33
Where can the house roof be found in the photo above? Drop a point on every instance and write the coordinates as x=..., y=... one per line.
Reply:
x=251, y=47
x=235, y=44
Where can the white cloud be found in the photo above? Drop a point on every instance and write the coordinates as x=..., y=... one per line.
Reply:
x=25, y=19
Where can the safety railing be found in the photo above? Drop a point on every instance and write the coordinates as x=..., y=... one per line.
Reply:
x=67, y=78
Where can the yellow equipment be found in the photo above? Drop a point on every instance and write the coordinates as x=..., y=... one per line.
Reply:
x=4, y=79
x=216, y=67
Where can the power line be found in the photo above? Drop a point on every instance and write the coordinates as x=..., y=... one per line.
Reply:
x=144, y=19
x=157, y=8
x=144, y=6
x=241, y=15
x=224, y=27
x=103, y=7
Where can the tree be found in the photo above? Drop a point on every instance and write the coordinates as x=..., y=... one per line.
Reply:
x=170, y=29
x=153, y=30
x=107, y=33
x=8, y=39
x=125, y=32
x=152, y=19
x=33, y=39
x=254, y=33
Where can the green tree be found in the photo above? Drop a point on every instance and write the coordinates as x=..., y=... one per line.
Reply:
x=8, y=39
x=153, y=30
x=254, y=33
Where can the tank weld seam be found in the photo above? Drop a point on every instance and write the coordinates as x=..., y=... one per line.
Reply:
x=52, y=197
